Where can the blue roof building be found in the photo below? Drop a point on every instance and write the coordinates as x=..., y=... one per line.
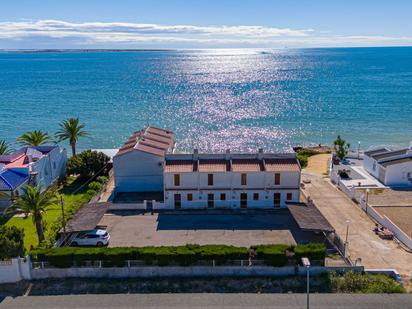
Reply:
x=11, y=180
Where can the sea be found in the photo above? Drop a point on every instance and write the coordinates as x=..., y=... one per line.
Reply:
x=242, y=99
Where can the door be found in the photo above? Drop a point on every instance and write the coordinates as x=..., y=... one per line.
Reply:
x=178, y=201
x=210, y=201
x=276, y=200
x=243, y=200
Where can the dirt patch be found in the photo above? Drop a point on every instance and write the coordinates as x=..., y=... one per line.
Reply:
x=318, y=164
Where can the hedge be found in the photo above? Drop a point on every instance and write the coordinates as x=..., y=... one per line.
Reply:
x=275, y=255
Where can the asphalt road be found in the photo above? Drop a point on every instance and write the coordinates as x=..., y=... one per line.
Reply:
x=207, y=301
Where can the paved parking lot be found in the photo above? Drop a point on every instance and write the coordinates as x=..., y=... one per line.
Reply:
x=134, y=229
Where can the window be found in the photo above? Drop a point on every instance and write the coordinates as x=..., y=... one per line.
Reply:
x=54, y=165
x=222, y=196
x=177, y=180
x=190, y=197
x=276, y=200
x=243, y=200
x=289, y=196
x=210, y=179
x=255, y=196
x=243, y=179
x=210, y=200
x=178, y=201
x=277, y=179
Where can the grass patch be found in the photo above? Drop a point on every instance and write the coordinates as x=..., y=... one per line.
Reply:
x=52, y=217
x=304, y=153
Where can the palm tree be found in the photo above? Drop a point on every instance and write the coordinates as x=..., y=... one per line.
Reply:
x=34, y=138
x=4, y=147
x=34, y=202
x=71, y=129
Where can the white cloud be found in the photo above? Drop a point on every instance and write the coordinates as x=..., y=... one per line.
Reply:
x=114, y=34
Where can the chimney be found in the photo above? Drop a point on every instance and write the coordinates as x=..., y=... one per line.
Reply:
x=260, y=154
x=195, y=154
x=227, y=154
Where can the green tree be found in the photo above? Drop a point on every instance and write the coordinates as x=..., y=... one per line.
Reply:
x=71, y=130
x=4, y=147
x=341, y=147
x=33, y=201
x=34, y=138
x=11, y=242
x=88, y=164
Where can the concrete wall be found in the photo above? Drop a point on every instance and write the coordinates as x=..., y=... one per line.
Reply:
x=138, y=171
x=15, y=270
x=178, y=271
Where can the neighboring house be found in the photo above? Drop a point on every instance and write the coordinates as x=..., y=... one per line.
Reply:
x=244, y=180
x=146, y=163
x=40, y=166
x=391, y=167
x=138, y=166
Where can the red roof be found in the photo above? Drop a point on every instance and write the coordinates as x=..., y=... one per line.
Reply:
x=246, y=165
x=282, y=165
x=214, y=165
x=180, y=166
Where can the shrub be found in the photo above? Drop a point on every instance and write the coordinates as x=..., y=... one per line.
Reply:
x=88, y=164
x=96, y=186
x=314, y=252
x=274, y=255
x=352, y=282
x=303, y=160
x=11, y=242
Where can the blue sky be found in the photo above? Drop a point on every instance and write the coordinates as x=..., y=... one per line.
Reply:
x=204, y=24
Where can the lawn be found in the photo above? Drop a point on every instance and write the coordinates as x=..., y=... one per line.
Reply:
x=73, y=197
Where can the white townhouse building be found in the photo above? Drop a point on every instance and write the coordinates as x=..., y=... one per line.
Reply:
x=231, y=180
x=138, y=165
x=391, y=167
x=146, y=165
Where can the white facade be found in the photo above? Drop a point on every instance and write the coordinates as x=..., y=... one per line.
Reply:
x=138, y=166
x=247, y=181
x=391, y=167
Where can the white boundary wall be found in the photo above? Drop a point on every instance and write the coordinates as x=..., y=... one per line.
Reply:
x=128, y=206
x=15, y=270
x=386, y=222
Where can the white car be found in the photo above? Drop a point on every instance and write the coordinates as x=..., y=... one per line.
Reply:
x=97, y=238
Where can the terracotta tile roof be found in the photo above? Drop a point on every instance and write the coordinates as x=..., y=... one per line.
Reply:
x=282, y=165
x=214, y=165
x=180, y=166
x=153, y=140
x=150, y=149
x=165, y=140
x=158, y=131
x=247, y=165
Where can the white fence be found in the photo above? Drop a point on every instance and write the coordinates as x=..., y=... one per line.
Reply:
x=22, y=269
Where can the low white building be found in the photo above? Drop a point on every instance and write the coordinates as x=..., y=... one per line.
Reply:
x=391, y=167
x=138, y=165
x=247, y=180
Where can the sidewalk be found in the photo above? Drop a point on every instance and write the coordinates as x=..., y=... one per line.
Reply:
x=363, y=243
